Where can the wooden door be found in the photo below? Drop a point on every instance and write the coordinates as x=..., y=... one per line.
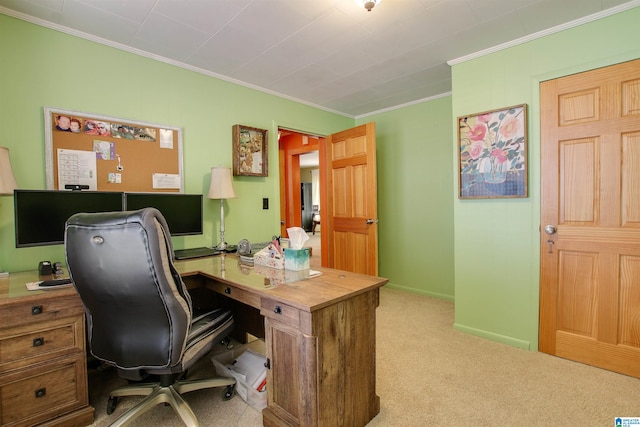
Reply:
x=351, y=214
x=590, y=253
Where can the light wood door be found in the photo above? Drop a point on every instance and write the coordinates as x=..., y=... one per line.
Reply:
x=351, y=212
x=590, y=265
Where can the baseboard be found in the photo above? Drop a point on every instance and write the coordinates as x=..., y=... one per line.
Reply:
x=449, y=298
x=513, y=342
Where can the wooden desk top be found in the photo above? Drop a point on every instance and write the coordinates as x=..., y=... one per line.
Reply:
x=14, y=286
x=294, y=288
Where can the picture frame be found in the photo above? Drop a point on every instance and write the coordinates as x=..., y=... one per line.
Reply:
x=250, y=151
x=492, y=154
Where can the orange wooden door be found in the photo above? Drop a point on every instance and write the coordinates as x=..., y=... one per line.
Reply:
x=350, y=213
x=590, y=209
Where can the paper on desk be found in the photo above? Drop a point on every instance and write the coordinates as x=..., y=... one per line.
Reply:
x=297, y=237
x=35, y=286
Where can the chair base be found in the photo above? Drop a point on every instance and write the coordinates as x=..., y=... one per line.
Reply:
x=171, y=394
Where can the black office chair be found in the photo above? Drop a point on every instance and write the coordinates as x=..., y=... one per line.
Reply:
x=139, y=313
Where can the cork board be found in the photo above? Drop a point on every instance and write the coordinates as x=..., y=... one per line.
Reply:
x=93, y=152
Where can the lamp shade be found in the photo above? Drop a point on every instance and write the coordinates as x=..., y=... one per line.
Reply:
x=220, y=187
x=7, y=180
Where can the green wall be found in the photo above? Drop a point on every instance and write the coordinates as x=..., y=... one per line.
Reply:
x=497, y=240
x=41, y=67
x=415, y=205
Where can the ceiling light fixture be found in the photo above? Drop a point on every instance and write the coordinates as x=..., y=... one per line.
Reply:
x=368, y=4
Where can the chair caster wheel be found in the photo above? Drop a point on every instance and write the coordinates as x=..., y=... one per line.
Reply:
x=111, y=404
x=229, y=392
x=227, y=343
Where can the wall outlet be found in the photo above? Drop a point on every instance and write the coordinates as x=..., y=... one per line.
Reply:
x=265, y=203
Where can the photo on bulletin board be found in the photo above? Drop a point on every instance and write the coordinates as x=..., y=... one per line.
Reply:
x=250, y=151
x=102, y=153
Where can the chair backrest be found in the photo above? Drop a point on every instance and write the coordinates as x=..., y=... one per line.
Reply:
x=138, y=309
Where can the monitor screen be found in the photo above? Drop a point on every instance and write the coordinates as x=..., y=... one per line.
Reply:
x=183, y=212
x=40, y=215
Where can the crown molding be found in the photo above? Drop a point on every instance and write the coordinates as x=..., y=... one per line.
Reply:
x=140, y=52
x=549, y=31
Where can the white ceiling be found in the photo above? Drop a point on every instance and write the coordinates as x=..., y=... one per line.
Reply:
x=328, y=53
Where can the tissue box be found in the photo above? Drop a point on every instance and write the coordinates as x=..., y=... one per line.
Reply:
x=296, y=259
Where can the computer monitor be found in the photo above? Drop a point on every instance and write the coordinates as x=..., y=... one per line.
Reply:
x=40, y=215
x=183, y=212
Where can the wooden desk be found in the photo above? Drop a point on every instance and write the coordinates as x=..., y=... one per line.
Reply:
x=43, y=368
x=320, y=340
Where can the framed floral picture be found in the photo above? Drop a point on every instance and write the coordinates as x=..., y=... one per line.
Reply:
x=493, y=154
x=250, y=151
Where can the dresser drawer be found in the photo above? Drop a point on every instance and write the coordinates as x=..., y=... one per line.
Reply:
x=25, y=345
x=40, y=309
x=43, y=391
x=281, y=312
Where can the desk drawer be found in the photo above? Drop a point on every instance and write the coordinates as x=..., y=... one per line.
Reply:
x=281, y=312
x=33, y=343
x=234, y=293
x=44, y=391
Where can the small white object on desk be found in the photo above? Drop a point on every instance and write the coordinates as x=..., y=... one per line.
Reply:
x=35, y=286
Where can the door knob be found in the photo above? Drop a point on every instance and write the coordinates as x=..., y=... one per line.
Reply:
x=550, y=229
x=371, y=221
x=282, y=222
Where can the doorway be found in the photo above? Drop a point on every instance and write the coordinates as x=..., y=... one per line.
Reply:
x=348, y=194
x=300, y=186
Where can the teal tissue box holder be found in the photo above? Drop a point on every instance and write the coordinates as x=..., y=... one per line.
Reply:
x=296, y=259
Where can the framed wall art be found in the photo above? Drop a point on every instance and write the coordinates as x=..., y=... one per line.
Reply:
x=493, y=154
x=250, y=151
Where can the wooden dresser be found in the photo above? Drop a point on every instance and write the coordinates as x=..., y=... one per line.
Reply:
x=43, y=371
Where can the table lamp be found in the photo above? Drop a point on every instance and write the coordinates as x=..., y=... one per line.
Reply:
x=221, y=188
x=7, y=181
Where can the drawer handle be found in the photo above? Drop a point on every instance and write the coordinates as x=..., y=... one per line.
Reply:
x=277, y=310
x=227, y=291
x=37, y=342
x=41, y=392
x=36, y=309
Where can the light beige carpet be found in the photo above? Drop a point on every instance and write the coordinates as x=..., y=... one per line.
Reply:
x=428, y=374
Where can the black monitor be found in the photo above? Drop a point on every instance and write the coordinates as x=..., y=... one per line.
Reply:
x=40, y=215
x=183, y=212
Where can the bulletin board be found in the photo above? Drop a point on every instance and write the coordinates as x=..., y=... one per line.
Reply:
x=92, y=152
